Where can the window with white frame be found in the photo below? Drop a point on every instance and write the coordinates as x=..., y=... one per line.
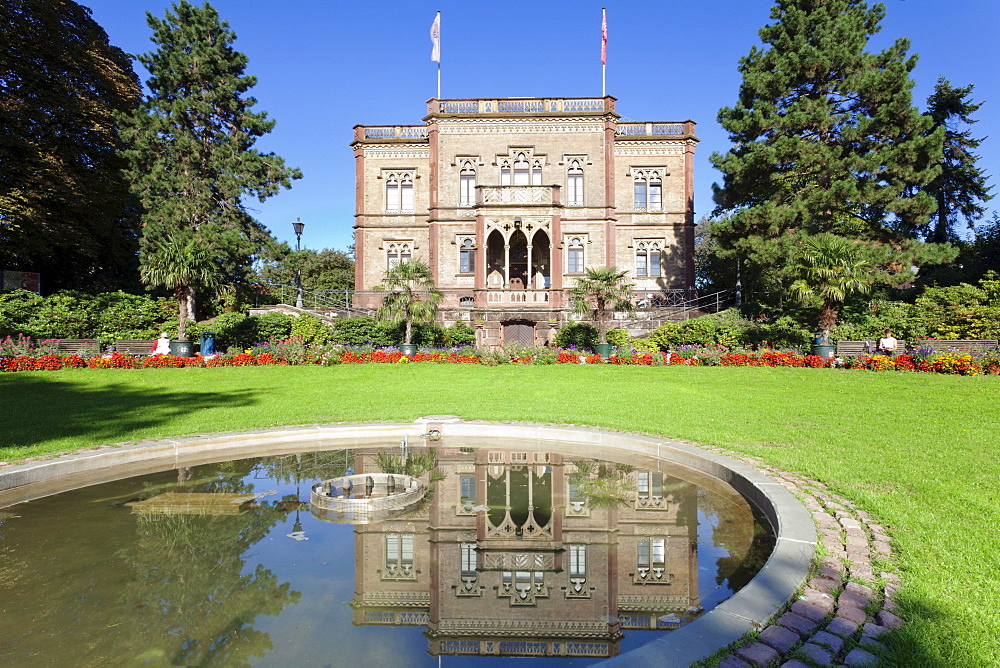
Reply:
x=399, y=552
x=399, y=192
x=467, y=257
x=574, y=184
x=574, y=256
x=648, y=189
x=468, y=558
x=648, y=258
x=521, y=170
x=467, y=185
x=578, y=561
x=651, y=556
x=398, y=252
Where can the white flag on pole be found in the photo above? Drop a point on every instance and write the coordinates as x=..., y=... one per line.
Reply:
x=436, y=39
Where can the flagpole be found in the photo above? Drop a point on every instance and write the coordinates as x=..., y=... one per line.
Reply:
x=436, y=48
x=604, y=51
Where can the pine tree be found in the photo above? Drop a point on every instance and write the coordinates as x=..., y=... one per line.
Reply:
x=826, y=139
x=65, y=210
x=192, y=156
x=961, y=188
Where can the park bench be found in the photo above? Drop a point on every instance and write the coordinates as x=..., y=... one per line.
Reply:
x=855, y=348
x=959, y=345
x=81, y=347
x=134, y=346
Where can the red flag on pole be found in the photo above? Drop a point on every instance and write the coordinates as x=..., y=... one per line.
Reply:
x=604, y=37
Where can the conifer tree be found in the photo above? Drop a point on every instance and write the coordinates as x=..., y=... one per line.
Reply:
x=192, y=152
x=826, y=139
x=961, y=188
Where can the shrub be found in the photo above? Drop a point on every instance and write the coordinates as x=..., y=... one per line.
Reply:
x=16, y=309
x=272, y=326
x=310, y=329
x=459, y=334
x=577, y=335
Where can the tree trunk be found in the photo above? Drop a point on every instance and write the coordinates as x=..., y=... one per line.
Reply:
x=185, y=297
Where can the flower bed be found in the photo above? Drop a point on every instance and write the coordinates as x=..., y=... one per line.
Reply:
x=22, y=356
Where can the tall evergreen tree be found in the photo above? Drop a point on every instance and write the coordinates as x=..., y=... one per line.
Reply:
x=961, y=188
x=192, y=156
x=826, y=139
x=64, y=204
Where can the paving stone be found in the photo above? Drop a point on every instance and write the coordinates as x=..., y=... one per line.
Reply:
x=828, y=640
x=779, y=638
x=858, y=550
x=856, y=531
x=732, y=662
x=856, y=615
x=793, y=622
x=859, y=657
x=887, y=619
x=824, y=520
x=891, y=588
x=824, y=584
x=842, y=626
x=876, y=528
x=873, y=645
x=890, y=605
x=810, y=610
x=863, y=515
x=795, y=663
x=819, y=599
x=856, y=540
x=835, y=506
x=758, y=654
x=816, y=654
x=833, y=563
x=881, y=548
x=849, y=522
x=844, y=515
x=873, y=630
x=881, y=536
x=848, y=597
x=864, y=590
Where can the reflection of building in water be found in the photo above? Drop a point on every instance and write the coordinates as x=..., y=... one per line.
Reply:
x=525, y=553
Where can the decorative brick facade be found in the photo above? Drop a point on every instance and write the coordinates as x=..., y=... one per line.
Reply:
x=509, y=200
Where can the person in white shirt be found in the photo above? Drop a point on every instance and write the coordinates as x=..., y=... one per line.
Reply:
x=162, y=345
x=887, y=344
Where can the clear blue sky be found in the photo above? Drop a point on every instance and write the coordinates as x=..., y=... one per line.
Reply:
x=326, y=65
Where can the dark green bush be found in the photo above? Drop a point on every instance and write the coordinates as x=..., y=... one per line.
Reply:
x=577, y=334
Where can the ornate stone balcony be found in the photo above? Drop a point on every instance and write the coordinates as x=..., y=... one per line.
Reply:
x=517, y=195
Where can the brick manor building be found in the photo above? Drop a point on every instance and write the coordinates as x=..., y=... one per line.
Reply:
x=508, y=200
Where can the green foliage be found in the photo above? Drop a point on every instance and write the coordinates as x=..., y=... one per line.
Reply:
x=409, y=297
x=825, y=139
x=16, y=309
x=617, y=337
x=600, y=292
x=577, y=335
x=961, y=188
x=191, y=155
x=311, y=329
x=362, y=330
x=961, y=311
x=272, y=326
x=65, y=205
x=327, y=269
x=125, y=316
x=459, y=334
x=830, y=269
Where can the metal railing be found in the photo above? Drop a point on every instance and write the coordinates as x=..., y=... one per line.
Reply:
x=339, y=300
x=675, y=304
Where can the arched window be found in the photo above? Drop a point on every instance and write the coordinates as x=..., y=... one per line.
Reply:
x=648, y=258
x=398, y=253
x=574, y=256
x=399, y=193
x=522, y=175
x=574, y=183
x=648, y=191
x=467, y=257
x=467, y=185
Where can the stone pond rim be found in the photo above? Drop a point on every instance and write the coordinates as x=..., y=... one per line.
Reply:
x=749, y=609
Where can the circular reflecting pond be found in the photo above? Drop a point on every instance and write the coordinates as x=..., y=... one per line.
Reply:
x=512, y=551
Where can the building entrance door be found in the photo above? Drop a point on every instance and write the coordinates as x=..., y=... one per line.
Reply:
x=520, y=332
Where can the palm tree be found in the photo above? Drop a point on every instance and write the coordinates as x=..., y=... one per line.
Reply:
x=831, y=268
x=410, y=296
x=182, y=266
x=600, y=292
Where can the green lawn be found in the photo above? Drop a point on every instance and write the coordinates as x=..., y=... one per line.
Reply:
x=914, y=450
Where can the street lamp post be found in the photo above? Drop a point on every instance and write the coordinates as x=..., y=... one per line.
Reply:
x=298, y=226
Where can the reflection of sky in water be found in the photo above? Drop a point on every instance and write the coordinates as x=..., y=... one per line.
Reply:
x=317, y=630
